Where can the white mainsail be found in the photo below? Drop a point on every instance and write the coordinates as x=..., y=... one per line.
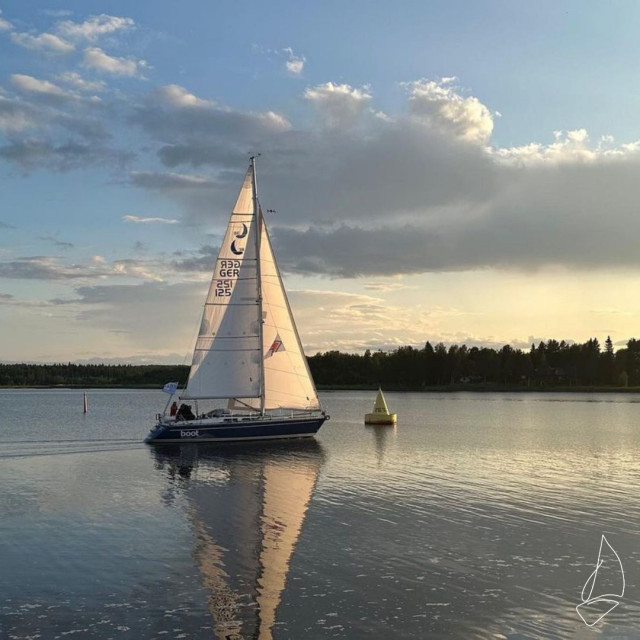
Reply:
x=257, y=366
x=226, y=359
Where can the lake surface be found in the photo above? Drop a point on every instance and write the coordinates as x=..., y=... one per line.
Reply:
x=479, y=516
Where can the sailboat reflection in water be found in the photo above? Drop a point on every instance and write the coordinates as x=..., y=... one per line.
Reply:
x=247, y=505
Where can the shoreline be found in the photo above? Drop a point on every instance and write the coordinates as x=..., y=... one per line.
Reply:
x=446, y=388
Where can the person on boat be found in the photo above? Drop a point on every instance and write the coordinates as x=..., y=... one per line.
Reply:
x=174, y=409
x=185, y=413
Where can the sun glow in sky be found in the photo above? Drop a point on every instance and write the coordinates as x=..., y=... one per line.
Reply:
x=442, y=171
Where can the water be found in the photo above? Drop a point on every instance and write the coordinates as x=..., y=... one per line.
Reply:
x=479, y=516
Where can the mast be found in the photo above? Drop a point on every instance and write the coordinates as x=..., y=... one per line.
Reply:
x=258, y=214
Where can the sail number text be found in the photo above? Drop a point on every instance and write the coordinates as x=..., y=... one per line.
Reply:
x=228, y=269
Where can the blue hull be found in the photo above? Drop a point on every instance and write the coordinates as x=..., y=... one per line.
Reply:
x=256, y=430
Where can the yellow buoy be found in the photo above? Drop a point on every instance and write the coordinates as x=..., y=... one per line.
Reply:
x=380, y=413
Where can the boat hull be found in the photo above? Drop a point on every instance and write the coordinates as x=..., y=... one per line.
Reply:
x=201, y=431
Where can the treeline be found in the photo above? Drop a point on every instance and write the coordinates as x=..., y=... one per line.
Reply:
x=549, y=364
x=90, y=375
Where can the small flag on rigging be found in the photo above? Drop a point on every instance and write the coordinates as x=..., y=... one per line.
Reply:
x=170, y=387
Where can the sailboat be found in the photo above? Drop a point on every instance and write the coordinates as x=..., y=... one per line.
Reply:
x=249, y=378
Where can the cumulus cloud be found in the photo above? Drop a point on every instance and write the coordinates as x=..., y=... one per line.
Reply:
x=568, y=147
x=96, y=58
x=139, y=220
x=15, y=116
x=340, y=105
x=438, y=103
x=94, y=27
x=175, y=116
x=415, y=193
x=42, y=88
x=43, y=42
x=364, y=196
x=75, y=80
x=5, y=25
x=294, y=63
x=173, y=95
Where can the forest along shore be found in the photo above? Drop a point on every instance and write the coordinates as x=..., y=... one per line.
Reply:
x=549, y=366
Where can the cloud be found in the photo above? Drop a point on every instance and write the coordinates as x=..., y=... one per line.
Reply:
x=50, y=268
x=43, y=42
x=386, y=285
x=96, y=58
x=94, y=27
x=294, y=63
x=200, y=262
x=421, y=192
x=5, y=225
x=33, y=153
x=57, y=13
x=373, y=322
x=58, y=243
x=340, y=105
x=442, y=107
x=43, y=88
x=175, y=116
x=169, y=181
x=358, y=194
x=198, y=155
x=16, y=116
x=173, y=95
x=46, y=268
x=139, y=220
x=78, y=82
x=150, y=315
x=5, y=25
x=533, y=218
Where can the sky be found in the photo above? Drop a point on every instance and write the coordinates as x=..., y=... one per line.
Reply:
x=458, y=172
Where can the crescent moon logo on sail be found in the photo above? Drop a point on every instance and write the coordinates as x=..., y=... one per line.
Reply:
x=236, y=250
x=244, y=231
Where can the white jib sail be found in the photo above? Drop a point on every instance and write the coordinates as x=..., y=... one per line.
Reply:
x=287, y=380
x=226, y=359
